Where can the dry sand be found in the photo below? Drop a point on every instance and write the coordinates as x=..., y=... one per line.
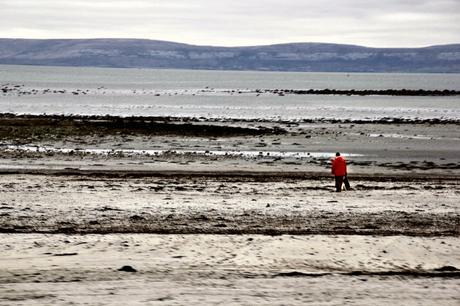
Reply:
x=245, y=269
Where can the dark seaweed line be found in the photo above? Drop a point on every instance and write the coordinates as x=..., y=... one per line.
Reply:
x=19, y=89
x=226, y=231
x=436, y=273
x=366, y=92
x=82, y=125
x=56, y=118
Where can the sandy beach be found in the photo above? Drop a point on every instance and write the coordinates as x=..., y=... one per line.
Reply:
x=236, y=212
x=228, y=269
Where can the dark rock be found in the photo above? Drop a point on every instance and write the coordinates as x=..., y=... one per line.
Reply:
x=127, y=269
x=66, y=254
x=136, y=218
x=299, y=274
x=446, y=269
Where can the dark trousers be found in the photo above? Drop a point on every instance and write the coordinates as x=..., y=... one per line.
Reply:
x=339, y=180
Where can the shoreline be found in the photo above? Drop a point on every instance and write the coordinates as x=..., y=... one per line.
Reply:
x=19, y=89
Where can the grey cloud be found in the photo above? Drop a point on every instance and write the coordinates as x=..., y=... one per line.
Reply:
x=238, y=22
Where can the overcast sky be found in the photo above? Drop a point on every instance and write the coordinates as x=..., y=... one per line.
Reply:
x=374, y=23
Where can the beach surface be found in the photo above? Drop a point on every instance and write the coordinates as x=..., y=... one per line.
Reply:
x=232, y=212
x=137, y=269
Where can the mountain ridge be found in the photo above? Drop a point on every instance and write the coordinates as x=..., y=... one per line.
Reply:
x=299, y=56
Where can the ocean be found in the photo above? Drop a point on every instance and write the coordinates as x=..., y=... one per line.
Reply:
x=219, y=94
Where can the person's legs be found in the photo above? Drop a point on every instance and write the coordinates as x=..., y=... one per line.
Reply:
x=338, y=183
x=347, y=183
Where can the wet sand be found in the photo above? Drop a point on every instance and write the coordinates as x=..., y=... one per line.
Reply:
x=215, y=216
x=242, y=204
x=161, y=144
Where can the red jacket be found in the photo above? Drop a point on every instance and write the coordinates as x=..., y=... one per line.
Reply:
x=339, y=166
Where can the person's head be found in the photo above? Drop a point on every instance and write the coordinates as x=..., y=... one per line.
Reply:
x=337, y=154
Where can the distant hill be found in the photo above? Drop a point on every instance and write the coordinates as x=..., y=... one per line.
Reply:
x=141, y=53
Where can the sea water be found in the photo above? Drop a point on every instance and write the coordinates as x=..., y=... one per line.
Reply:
x=219, y=94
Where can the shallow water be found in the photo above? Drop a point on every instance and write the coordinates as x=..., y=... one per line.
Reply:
x=219, y=94
x=131, y=152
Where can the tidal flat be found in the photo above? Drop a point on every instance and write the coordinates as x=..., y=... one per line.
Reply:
x=173, y=211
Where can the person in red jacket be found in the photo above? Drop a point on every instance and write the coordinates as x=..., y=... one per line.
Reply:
x=339, y=170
